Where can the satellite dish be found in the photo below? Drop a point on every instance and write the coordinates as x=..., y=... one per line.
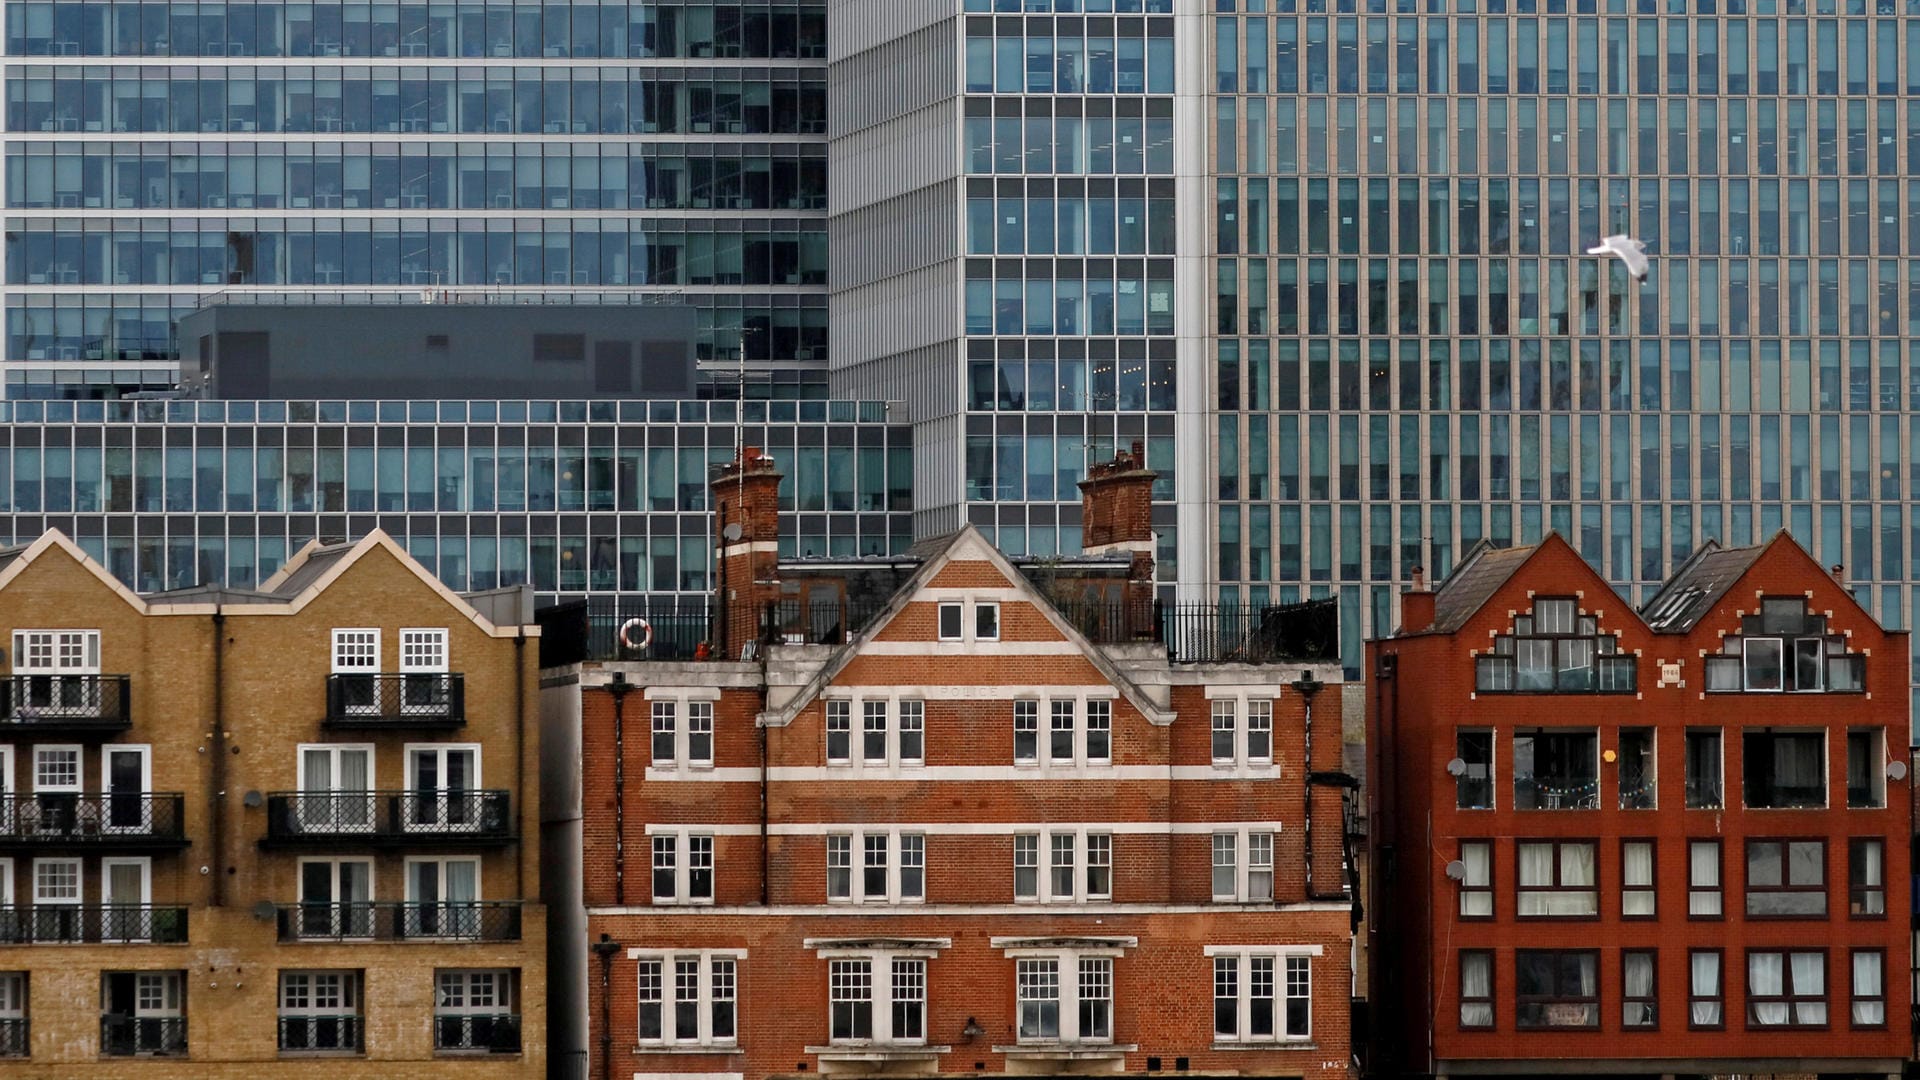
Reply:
x=731, y=531
x=1457, y=870
x=264, y=910
x=1457, y=767
x=253, y=798
x=1897, y=770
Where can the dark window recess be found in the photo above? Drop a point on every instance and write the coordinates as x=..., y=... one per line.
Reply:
x=559, y=348
x=612, y=367
x=1473, y=787
x=664, y=370
x=437, y=342
x=1785, y=770
x=1556, y=989
x=1785, y=648
x=1556, y=769
x=239, y=258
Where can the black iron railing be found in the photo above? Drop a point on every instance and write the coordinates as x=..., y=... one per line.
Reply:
x=808, y=622
x=386, y=700
x=496, y=1033
x=1220, y=633
x=135, y=1036
x=659, y=634
x=1108, y=623
x=320, y=1034
x=91, y=924
x=125, y=819
x=13, y=1036
x=479, y=920
x=466, y=816
x=49, y=702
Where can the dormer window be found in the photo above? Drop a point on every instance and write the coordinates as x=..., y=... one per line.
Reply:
x=1786, y=648
x=1555, y=649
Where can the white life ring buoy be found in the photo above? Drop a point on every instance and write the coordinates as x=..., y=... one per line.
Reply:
x=646, y=634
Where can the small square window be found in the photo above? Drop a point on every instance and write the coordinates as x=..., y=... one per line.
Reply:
x=950, y=622
x=986, y=622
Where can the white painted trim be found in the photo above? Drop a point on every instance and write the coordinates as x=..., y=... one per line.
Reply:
x=969, y=828
x=681, y=693
x=1264, y=950
x=735, y=775
x=750, y=547
x=689, y=1076
x=971, y=647
x=53, y=538
x=871, y=944
x=1071, y=942
x=1251, y=690
x=1046, y=911
x=637, y=953
x=683, y=864
x=1006, y=595
x=979, y=692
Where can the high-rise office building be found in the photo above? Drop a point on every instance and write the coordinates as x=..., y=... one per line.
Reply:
x=1008, y=258
x=1410, y=350
x=159, y=154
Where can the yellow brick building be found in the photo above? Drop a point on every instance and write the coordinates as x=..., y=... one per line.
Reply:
x=288, y=832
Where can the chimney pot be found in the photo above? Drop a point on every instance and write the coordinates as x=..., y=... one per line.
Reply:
x=1839, y=572
x=1416, y=604
x=1419, y=578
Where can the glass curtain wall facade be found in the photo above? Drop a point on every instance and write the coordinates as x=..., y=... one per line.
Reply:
x=160, y=153
x=571, y=497
x=1045, y=335
x=1411, y=351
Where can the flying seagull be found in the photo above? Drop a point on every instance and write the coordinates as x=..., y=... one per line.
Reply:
x=1631, y=251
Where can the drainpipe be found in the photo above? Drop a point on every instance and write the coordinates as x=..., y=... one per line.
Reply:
x=520, y=752
x=766, y=855
x=619, y=688
x=216, y=803
x=1307, y=687
x=605, y=949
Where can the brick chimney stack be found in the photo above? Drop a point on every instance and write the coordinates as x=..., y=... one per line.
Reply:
x=746, y=518
x=1116, y=515
x=1416, y=605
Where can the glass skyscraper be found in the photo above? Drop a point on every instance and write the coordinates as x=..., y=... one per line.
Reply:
x=160, y=153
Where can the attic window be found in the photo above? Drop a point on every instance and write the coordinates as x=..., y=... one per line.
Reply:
x=1785, y=648
x=950, y=623
x=1554, y=649
x=986, y=622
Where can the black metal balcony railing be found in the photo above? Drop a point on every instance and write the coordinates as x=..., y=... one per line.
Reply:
x=497, y=1033
x=13, y=1036
x=386, y=700
x=390, y=817
x=479, y=920
x=322, y=1034
x=92, y=924
x=669, y=634
x=111, y=820
x=131, y=1036
x=807, y=622
x=67, y=702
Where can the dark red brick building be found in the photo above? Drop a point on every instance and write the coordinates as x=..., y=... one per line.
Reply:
x=1671, y=841
x=954, y=813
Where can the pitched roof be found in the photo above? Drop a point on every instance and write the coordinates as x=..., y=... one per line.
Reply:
x=1697, y=586
x=967, y=540
x=1474, y=582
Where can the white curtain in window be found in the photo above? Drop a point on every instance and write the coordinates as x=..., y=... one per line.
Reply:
x=1479, y=860
x=1576, y=865
x=1639, y=975
x=1867, y=984
x=1703, y=874
x=1766, y=977
x=1476, y=981
x=1536, y=865
x=1871, y=871
x=1809, y=980
x=1638, y=868
x=1705, y=988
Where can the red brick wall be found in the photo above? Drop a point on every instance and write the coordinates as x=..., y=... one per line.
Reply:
x=1417, y=829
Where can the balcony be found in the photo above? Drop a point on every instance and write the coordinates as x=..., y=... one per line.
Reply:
x=92, y=924
x=396, y=819
x=13, y=1037
x=307, y=1034
x=496, y=1033
x=142, y=1036
x=114, y=822
x=396, y=702
x=72, y=705
x=479, y=920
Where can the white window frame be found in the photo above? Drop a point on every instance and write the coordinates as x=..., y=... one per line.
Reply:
x=78, y=866
x=319, y=815
x=959, y=610
x=336, y=862
x=1084, y=705
x=9, y=792
x=169, y=986
x=6, y=881
x=1241, y=858
x=703, y=1002
x=897, y=843
x=145, y=753
x=42, y=652
x=13, y=995
x=501, y=985
x=983, y=607
x=1067, y=969
x=969, y=609
x=47, y=750
x=1236, y=709
x=893, y=711
x=881, y=990
x=349, y=649
x=1045, y=866
x=345, y=990
x=1285, y=958
x=109, y=931
x=424, y=650
x=679, y=703
x=681, y=843
x=442, y=795
x=441, y=862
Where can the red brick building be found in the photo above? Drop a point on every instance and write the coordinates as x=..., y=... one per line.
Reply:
x=959, y=814
x=1671, y=841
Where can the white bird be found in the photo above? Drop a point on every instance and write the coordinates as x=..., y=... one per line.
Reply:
x=1631, y=251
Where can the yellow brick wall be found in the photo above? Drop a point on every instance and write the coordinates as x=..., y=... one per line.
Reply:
x=274, y=671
